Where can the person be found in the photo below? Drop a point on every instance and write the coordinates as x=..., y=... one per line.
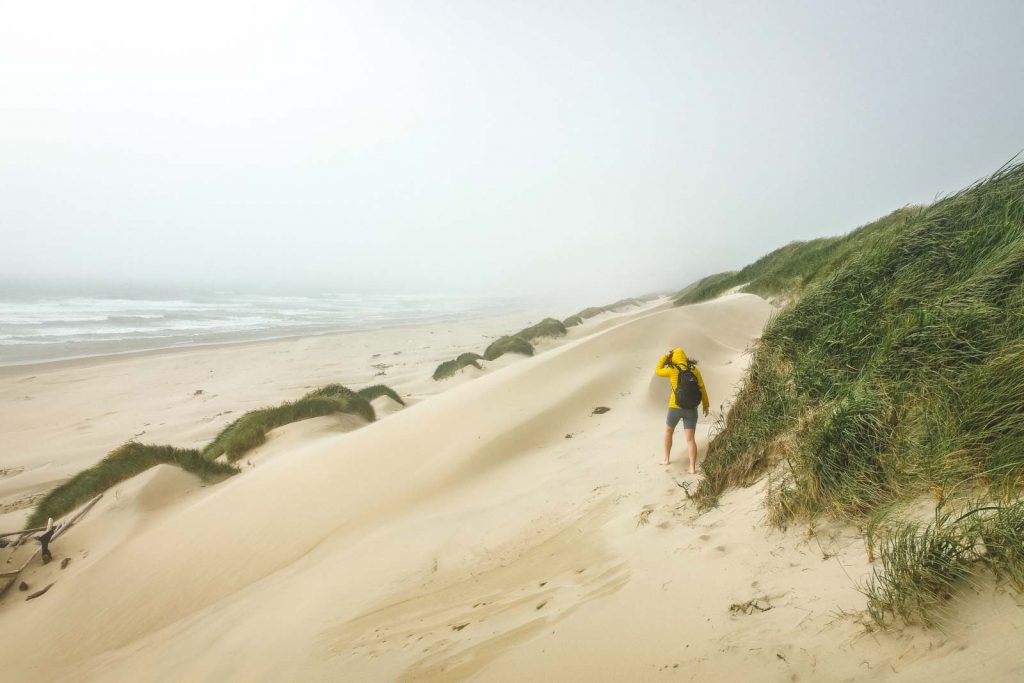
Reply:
x=671, y=365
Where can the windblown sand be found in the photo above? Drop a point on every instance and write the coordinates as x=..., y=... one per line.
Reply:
x=495, y=530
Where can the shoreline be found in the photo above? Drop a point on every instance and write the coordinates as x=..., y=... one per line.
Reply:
x=7, y=369
x=63, y=416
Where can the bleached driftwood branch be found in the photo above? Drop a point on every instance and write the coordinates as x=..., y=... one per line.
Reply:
x=50, y=534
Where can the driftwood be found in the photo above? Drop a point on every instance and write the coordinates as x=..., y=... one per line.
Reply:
x=44, y=541
x=23, y=532
x=65, y=525
x=49, y=535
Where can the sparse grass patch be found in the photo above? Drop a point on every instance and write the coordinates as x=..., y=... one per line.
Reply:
x=122, y=463
x=922, y=568
x=505, y=345
x=450, y=367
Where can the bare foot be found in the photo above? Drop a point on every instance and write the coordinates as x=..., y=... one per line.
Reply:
x=664, y=462
x=692, y=471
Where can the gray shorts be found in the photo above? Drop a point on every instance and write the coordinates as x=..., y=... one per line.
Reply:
x=687, y=415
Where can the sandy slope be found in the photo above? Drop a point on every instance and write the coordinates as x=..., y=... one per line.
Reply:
x=59, y=418
x=468, y=536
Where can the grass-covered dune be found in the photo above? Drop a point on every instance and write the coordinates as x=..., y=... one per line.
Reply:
x=897, y=372
x=250, y=430
x=374, y=392
x=122, y=463
x=573, y=321
x=548, y=327
x=787, y=271
x=509, y=344
x=520, y=342
x=450, y=367
x=245, y=433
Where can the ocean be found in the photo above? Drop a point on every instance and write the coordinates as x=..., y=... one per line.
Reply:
x=46, y=328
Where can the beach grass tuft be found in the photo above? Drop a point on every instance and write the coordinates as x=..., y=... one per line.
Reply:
x=922, y=567
x=508, y=344
x=451, y=367
x=122, y=463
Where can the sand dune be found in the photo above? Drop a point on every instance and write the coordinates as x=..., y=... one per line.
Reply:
x=498, y=530
x=60, y=418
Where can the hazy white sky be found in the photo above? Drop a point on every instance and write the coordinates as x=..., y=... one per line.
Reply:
x=614, y=147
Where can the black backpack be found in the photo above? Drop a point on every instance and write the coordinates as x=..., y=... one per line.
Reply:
x=687, y=389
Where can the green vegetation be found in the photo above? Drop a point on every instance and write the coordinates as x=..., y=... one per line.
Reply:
x=250, y=430
x=505, y=345
x=592, y=311
x=572, y=321
x=378, y=390
x=707, y=288
x=450, y=367
x=548, y=327
x=122, y=463
x=897, y=371
x=624, y=303
x=245, y=433
x=789, y=270
x=921, y=569
x=520, y=341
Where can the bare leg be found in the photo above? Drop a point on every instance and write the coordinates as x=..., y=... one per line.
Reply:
x=691, y=446
x=668, y=444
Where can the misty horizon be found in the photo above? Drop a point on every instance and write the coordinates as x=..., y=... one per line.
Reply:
x=597, y=151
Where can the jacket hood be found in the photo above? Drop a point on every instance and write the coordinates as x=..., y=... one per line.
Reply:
x=678, y=357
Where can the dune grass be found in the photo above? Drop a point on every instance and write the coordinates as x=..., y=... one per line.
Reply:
x=250, y=430
x=898, y=370
x=377, y=390
x=245, y=433
x=922, y=568
x=706, y=288
x=122, y=463
x=573, y=321
x=624, y=303
x=451, y=367
x=592, y=311
x=508, y=344
x=548, y=327
x=789, y=270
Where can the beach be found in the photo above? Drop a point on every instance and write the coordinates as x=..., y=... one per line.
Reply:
x=497, y=528
x=63, y=416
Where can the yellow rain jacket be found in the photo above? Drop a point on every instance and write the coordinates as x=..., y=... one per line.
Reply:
x=679, y=360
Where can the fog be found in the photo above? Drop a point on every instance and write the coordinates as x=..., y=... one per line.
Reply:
x=602, y=149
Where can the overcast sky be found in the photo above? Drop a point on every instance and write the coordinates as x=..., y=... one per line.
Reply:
x=505, y=147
